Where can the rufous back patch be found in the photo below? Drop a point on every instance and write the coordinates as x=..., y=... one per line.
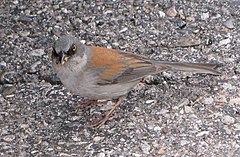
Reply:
x=109, y=60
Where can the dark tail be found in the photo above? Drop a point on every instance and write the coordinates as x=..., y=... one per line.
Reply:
x=187, y=67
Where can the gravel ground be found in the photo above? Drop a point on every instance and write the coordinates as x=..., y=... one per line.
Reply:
x=169, y=114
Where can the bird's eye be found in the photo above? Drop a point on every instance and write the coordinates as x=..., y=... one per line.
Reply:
x=74, y=48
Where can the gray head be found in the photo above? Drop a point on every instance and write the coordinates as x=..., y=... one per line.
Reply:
x=65, y=48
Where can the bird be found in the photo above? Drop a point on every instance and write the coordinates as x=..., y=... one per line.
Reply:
x=98, y=73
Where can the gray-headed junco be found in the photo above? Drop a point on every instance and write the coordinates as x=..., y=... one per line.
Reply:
x=101, y=73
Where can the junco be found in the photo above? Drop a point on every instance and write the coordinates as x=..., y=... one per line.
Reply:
x=101, y=73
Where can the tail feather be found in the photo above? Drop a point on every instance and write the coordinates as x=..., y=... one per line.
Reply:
x=187, y=67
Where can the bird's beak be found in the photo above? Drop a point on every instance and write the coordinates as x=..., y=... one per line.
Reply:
x=61, y=57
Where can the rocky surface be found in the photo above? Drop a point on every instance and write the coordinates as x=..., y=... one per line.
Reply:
x=169, y=114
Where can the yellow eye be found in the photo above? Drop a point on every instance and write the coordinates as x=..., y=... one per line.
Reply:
x=74, y=48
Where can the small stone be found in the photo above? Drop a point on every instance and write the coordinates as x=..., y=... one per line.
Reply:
x=37, y=52
x=224, y=42
x=3, y=64
x=24, y=126
x=115, y=44
x=161, y=151
x=108, y=12
x=235, y=101
x=24, y=33
x=181, y=14
x=188, y=109
x=145, y=147
x=228, y=131
x=157, y=129
x=163, y=111
x=83, y=41
x=230, y=23
x=161, y=14
x=237, y=126
x=64, y=10
x=187, y=41
x=228, y=120
x=202, y=133
x=228, y=86
x=216, y=16
x=183, y=102
x=172, y=11
x=8, y=89
x=9, y=138
x=150, y=101
x=101, y=154
x=25, y=19
x=97, y=138
x=76, y=139
x=15, y=2
x=190, y=18
x=208, y=101
x=44, y=143
x=123, y=30
x=205, y=16
x=181, y=111
x=58, y=18
x=8, y=77
x=183, y=142
x=35, y=67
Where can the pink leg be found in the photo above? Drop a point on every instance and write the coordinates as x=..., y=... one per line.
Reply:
x=89, y=103
x=102, y=121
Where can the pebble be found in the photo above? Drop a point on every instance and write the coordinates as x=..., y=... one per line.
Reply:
x=163, y=111
x=101, y=154
x=228, y=86
x=228, y=131
x=188, y=109
x=24, y=33
x=208, y=101
x=157, y=129
x=3, y=64
x=145, y=147
x=123, y=30
x=230, y=23
x=237, y=126
x=183, y=102
x=172, y=11
x=25, y=19
x=234, y=101
x=205, y=16
x=228, y=120
x=224, y=42
x=183, y=142
x=8, y=89
x=24, y=126
x=108, y=12
x=64, y=10
x=35, y=67
x=161, y=151
x=9, y=138
x=15, y=2
x=37, y=52
x=161, y=14
x=97, y=138
x=150, y=101
x=202, y=133
x=190, y=18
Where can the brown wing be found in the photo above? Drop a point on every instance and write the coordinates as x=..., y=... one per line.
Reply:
x=119, y=67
